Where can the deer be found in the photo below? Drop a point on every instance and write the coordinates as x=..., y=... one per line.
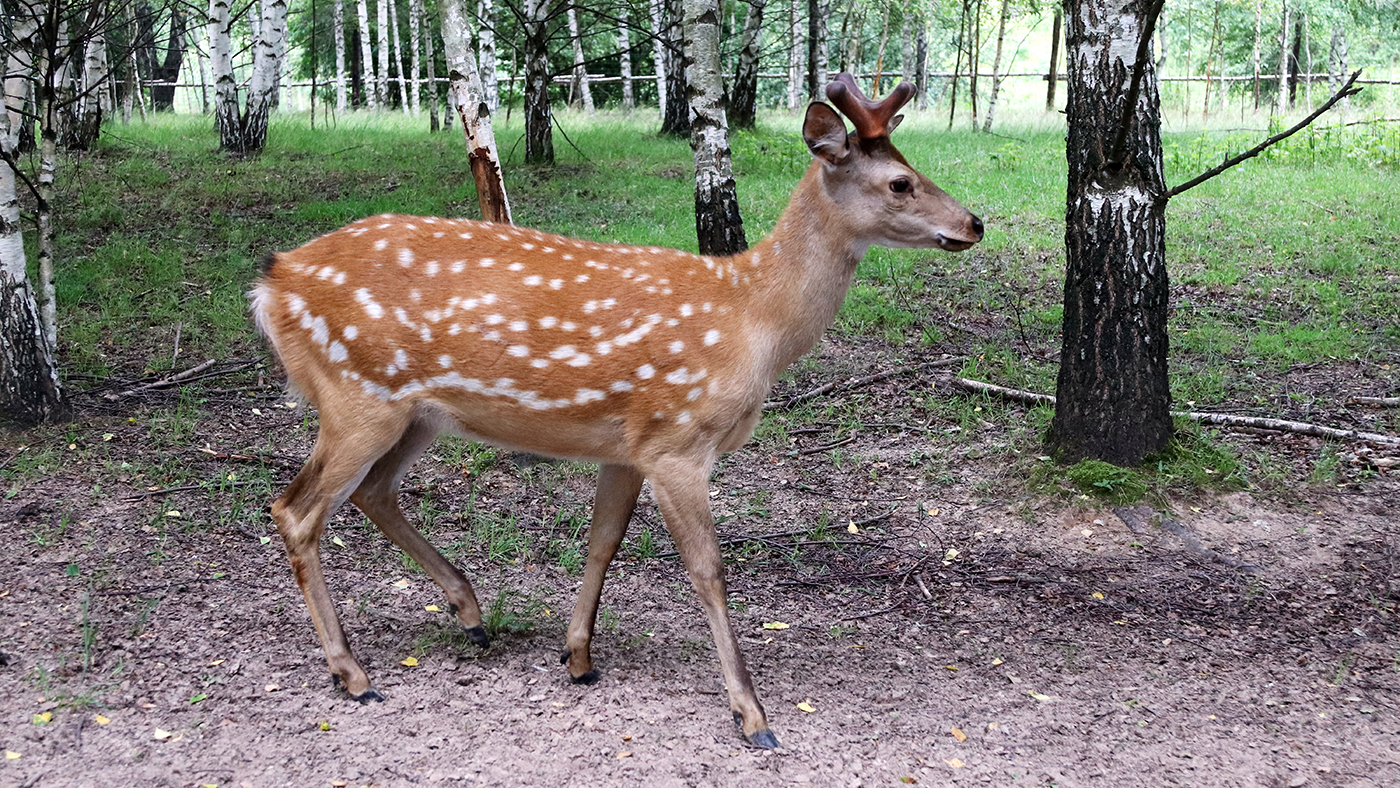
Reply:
x=650, y=362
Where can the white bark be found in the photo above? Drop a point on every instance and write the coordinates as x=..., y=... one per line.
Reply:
x=996, y=67
x=486, y=55
x=717, y=219
x=580, y=69
x=658, y=50
x=381, y=11
x=796, y=50
x=374, y=92
x=415, y=35
x=221, y=64
x=342, y=101
x=468, y=100
x=396, y=38
x=430, y=56
x=1281, y=102
x=15, y=84
x=624, y=46
x=202, y=59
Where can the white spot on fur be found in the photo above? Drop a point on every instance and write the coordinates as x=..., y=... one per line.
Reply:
x=533, y=280
x=337, y=353
x=405, y=257
x=585, y=396
x=350, y=332
x=445, y=361
x=620, y=385
x=677, y=346
x=519, y=351
x=687, y=310
x=646, y=371
x=711, y=336
x=549, y=322
x=381, y=244
x=486, y=262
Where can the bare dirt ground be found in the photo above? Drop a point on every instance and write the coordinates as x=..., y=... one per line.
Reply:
x=969, y=630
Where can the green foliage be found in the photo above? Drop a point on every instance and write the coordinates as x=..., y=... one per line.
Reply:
x=1110, y=482
x=512, y=612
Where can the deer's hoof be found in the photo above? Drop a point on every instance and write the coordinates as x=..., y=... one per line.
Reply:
x=477, y=635
x=591, y=677
x=764, y=739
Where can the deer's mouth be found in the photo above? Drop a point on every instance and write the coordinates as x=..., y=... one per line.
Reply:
x=950, y=244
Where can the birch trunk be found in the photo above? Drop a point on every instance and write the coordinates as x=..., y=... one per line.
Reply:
x=624, y=48
x=676, y=119
x=373, y=91
x=580, y=86
x=396, y=40
x=267, y=66
x=996, y=67
x=381, y=77
x=658, y=52
x=743, y=99
x=906, y=48
x=468, y=99
x=95, y=74
x=226, y=114
x=1280, y=101
x=1114, y=401
x=795, y=50
x=817, y=12
x=415, y=41
x=342, y=100
x=428, y=53
x=539, y=136
x=486, y=57
x=718, y=225
x=921, y=65
x=1054, y=76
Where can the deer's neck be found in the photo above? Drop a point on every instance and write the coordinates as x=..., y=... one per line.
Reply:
x=801, y=272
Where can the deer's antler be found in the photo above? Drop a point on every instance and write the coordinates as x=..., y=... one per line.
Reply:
x=871, y=118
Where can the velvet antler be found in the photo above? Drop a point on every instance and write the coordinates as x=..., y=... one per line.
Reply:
x=871, y=118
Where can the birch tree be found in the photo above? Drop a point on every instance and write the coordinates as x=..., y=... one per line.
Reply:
x=580, y=84
x=997, y=76
x=342, y=102
x=539, y=136
x=381, y=82
x=397, y=44
x=486, y=55
x=246, y=132
x=817, y=13
x=428, y=53
x=675, y=119
x=718, y=225
x=658, y=52
x=469, y=101
x=795, y=51
x=624, y=48
x=415, y=36
x=374, y=90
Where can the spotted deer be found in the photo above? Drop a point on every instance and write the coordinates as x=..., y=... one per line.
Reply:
x=650, y=362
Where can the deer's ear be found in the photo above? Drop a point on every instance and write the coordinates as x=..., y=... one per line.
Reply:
x=825, y=133
x=893, y=124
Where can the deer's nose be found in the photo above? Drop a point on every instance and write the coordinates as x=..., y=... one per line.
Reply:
x=977, y=226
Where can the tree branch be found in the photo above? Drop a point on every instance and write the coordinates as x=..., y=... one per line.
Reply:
x=1221, y=419
x=1119, y=152
x=1343, y=92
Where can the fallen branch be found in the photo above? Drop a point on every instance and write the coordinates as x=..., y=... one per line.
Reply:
x=163, y=382
x=186, y=488
x=1343, y=92
x=1220, y=419
x=1379, y=402
x=855, y=383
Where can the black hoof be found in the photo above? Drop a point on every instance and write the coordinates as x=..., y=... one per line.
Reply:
x=764, y=739
x=370, y=695
x=477, y=635
x=591, y=677
x=564, y=656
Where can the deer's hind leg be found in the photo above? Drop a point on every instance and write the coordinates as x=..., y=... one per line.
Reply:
x=378, y=497
x=343, y=455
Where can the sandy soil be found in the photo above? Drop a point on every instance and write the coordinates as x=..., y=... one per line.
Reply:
x=967, y=633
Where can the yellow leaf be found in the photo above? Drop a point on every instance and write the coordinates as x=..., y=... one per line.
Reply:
x=1038, y=696
x=43, y=717
x=410, y=662
x=173, y=513
x=162, y=735
x=401, y=583
x=337, y=541
x=959, y=735
x=624, y=754
x=1098, y=595
x=807, y=707
x=953, y=668
x=908, y=779
x=100, y=720
x=954, y=762
x=775, y=625
x=951, y=554
x=432, y=608
x=11, y=755
x=852, y=529
x=998, y=661
x=325, y=725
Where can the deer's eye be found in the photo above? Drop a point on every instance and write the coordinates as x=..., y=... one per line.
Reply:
x=901, y=186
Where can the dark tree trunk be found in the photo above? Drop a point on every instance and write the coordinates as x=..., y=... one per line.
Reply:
x=1294, y=60
x=1054, y=76
x=1113, y=395
x=539, y=136
x=357, y=77
x=675, y=120
x=743, y=98
x=166, y=73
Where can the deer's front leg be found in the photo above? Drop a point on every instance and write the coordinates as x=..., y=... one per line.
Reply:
x=682, y=491
x=618, y=486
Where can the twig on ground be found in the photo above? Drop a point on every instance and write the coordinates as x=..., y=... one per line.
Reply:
x=824, y=446
x=923, y=589
x=855, y=383
x=871, y=614
x=163, y=382
x=1379, y=402
x=1219, y=419
x=183, y=488
x=160, y=587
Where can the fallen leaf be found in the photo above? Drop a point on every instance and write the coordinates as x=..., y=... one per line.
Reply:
x=325, y=725
x=852, y=529
x=954, y=762
x=11, y=755
x=953, y=668
x=432, y=608
x=410, y=662
x=1038, y=696
x=43, y=718
x=199, y=697
x=272, y=688
x=106, y=436
x=627, y=738
x=173, y=513
x=264, y=539
x=908, y=780
x=807, y=707
x=775, y=625
x=951, y=554
x=162, y=735
x=339, y=783
x=998, y=661
x=401, y=583
x=337, y=541
x=959, y=735
x=624, y=754
x=100, y=720
x=217, y=663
